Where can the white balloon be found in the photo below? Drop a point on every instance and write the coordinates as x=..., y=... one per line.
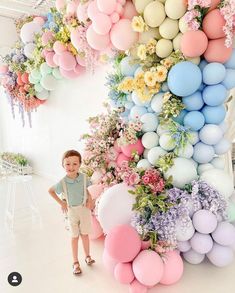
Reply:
x=220, y=180
x=194, y=137
x=144, y=163
x=185, y=151
x=154, y=154
x=222, y=147
x=157, y=102
x=28, y=30
x=177, y=41
x=220, y=256
x=141, y=4
x=162, y=128
x=154, y=14
x=184, y=233
x=204, y=167
x=150, y=122
x=164, y=48
x=150, y=139
x=169, y=28
x=167, y=142
x=183, y=25
x=218, y=163
x=183, y=172
x=115, y=207
x=175, y=8
x=145, y=154
x=210, y=134
x=28, y=50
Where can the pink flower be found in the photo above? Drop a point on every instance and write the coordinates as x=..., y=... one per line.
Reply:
x=134, y=179
x=145, y=179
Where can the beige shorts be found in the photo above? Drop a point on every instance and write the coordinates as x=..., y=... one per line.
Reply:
x=80, y=222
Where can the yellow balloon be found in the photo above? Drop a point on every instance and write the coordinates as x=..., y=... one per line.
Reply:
x=169, y=28
x=175, y=9
x=195, y=60
x=164, y=48
x=177, y=41
x=154, y=14
x=141, y=4
x=152, y=33
x=163, y=1
x=183, y=25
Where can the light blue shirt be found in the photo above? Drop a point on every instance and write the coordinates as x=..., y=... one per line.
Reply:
x=75, y=189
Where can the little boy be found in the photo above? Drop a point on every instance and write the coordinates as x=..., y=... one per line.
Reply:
x=76, y=201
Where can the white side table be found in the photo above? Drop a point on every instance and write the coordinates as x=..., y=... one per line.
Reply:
x=13, y=182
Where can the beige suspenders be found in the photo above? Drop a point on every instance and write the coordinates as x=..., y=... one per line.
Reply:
x=65, y=192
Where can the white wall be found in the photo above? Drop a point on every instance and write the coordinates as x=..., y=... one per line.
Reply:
x=57, y=125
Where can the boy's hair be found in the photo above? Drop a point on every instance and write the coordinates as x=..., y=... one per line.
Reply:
x=71, y=153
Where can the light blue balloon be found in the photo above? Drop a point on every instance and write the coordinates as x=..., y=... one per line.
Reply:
x=38, y=87
x=213, y=73
x=201, y=88
x=136, y=99
x=56, y=73
x=195, y=120
x=45, y=69
x=184, y=78
x=214, y=115
x=229, y=80
x=36, y=74
x=157, y=102
x=165, y=87
x=194, y=101
x=150, y=110
x=129, y=105
x=150, y=122
x=231, y=62
x=125, y=113
x=129, y=98
x=210, y=134
x=202, y=64
x=43, y=95
x=214, y=95
x=127, y=68
x=222, y=147
x=137, y=111
x=138, y=70
x=203, y=153
x=180, y=118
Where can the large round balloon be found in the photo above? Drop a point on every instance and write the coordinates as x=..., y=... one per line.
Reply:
x=204, y=221
x=183, y=172
x=115, y=207
x=194, y=101
x=194, y=120
x=210, y=134
x=184, y=78
x=154, y=14
x=123, y=243
x=217, y=51
x=122, y=35
x=28, y=30
x=214, y=115
x=175, y=9
x=193, y=43
x=213, y=24
x=213, y=73
x=220, y=256
x=219, y=180
x=214, y=95
x=224, y=234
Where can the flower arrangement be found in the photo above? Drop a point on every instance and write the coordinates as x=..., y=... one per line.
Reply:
x=131, y=133
x=13, y=158
x=138, y=24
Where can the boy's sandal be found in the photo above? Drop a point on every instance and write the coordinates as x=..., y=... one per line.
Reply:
x=89, y=261
x=76, y=268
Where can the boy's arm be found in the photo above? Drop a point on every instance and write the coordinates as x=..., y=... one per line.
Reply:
x=90, y=203
x=61, y=202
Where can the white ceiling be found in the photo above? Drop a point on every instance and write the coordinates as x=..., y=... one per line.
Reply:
x=17, y=8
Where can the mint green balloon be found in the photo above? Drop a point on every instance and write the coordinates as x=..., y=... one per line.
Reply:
x=36, y=74
x=45, y=69
x=231, y=211
x=56, y=73
x=43, y=95
x=38, y=87
x=32, y=80
x=49, y=82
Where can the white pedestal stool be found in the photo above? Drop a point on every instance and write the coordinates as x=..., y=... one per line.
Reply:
x=13, y=182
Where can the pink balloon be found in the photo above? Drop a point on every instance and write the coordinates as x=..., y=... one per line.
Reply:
x=97, y=231
x=47, y=37
x=148, y=267
x=81, y=61
x=106, y=6
x=60, y=4
x=114, y=17
x=92, y=10
x=56, y=59
x=122, y=35
x=214, y=4
x=82, y=13
x=123, y=273
x=129, y=11
x=213, y=24
x=122, y=2
x=3, y=69
x=67, y=61
x=145, y=244
x=108, y=261
x=217, y=52
x=96, y=41
x=122, y=158
x=79, y=69
x=123, y=243
x=137, y=287
x=119, y=9
x=39, y=20
x=173, y=268
x=59, y=47
x=49, y=60
x=194, y=43
x=95, y=190
x=71, y=8
x=117, y=147
x=130, y=148
x=101, y=24
x=70, y=74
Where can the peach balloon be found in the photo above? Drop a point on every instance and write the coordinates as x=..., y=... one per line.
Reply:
x=193, y=43
x=214, y=4
x=213, y=24
x=217, y=52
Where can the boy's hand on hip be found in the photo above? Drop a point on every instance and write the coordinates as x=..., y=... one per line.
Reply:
x=64, y=207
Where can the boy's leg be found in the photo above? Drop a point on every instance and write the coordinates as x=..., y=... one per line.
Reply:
x=74, y=244
x=86, y=244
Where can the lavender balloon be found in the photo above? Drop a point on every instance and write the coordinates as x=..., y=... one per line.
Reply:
x=224, y=234
x=183, y=246
x=204, y=221
x=193, y=257
x=220, y=256
x=201, y=243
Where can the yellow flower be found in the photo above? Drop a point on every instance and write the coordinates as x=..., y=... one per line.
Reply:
x=167, y=63
x=151, y=46
x=166, y=97
x=138, y=24
x=126, y=85
x=139, y=81
x=161, y=73
x=150, y=78
x=142, y=52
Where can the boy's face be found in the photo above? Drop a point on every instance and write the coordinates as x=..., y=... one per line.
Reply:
x=71, y=166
